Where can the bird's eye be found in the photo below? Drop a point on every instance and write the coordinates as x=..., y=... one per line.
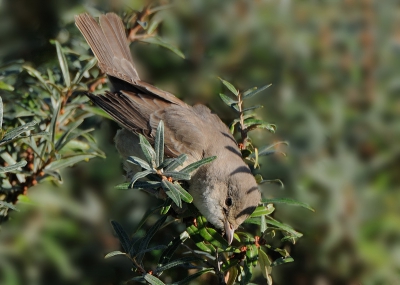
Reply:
x=228, y=201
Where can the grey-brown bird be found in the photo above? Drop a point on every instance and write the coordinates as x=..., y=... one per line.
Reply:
x=224, y=191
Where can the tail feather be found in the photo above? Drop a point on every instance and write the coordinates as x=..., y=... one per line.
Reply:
x=109, y=44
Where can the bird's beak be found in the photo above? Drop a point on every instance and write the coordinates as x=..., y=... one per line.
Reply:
x=229, y=231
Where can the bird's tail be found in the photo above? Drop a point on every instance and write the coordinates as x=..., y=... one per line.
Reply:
x=109, y=44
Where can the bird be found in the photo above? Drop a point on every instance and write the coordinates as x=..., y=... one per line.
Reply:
x=224, y=191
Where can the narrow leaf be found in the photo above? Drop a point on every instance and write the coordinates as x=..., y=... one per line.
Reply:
x=114, y=253
x=123, y=236
x=8, y=205
x=13, y=167
x=172, y=192
x=139, y=161
x=153, y=280
x=265, y=263
x=149, y=235
x=5, y=86
x=1, y=113
x=262, y=211
x=185, y=196
x=70, y=161
x=255, y=91
x=282, y=260
x=10, y=135
x=147, y=150
x=177, y=262
x=172, y=246
x=188, y=279
x=177, y=175
x=158, y=41
x=284, y=227
x=139, y=175
x=178, y=161
x=193, y=166
x=87, y=67
x=34, y=73
x=159, y=143
x=63, y=63
x=230, y=102
x=288, y=201
x=252, y=108
x=229, y=86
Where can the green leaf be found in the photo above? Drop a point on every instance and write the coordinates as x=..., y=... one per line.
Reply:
x=158, y=41
x=255, y=91
x=155, y=21
x=139, y=175
x=252, y=108
x=123, y=236
x=284, y=227
x=248, y=91
x=210, y=235
x=139, y=161
x=8, y=205
x=153, y=280
x=34, y=73
x=147, y=150
x=177, y=175
x=159, y=143
x=185, y=196
x=274, y=181
x=262, y=211
x=267, y=150
x=233, y=273
x=254, y=123
x=193, y=276
x=1, y=113
x=265, y=263
x=176, y=162
x=81, y=72
x=139, y=185
x=172, y=192
x=149, y=235
x=63, y=63
x=288, y=201
x=53, y=123
x=5, y=86
x=69, y=161
x=282, y=260
x=193, y=166
x=114, y=253
x=154, y=248
x=11, y=135
x=230, y=102
x=172, y=246
x=176, y=262
x=62, y=141
x=229, y=86
x=199, y=240
x=13, y=167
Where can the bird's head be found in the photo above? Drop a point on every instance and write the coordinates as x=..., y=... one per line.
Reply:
x=228, y=200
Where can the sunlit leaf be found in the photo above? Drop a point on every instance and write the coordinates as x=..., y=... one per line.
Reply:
x=230, y=102
x=255, y=91
x=288, y=201
x=282, y=260
x=153, y=280
x=229, y=86
x=193, y=166
x=63, y=63
x=12, y=167
x=158, y=41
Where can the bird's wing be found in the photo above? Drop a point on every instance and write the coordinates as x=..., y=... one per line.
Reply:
x=141, y=113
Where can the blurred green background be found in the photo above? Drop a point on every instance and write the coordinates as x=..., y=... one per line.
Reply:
x=335, y=73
